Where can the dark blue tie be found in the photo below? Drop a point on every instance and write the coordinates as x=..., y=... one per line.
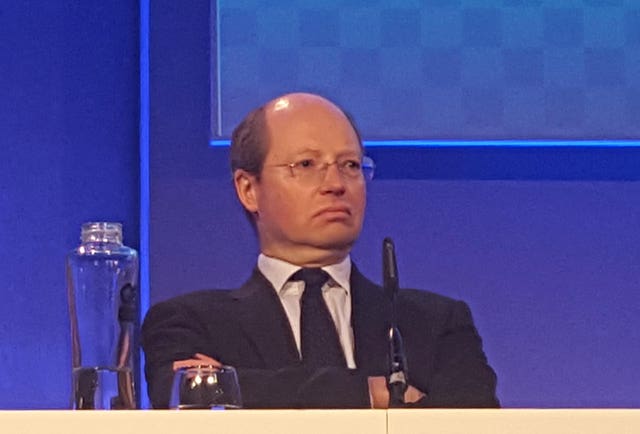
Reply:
x=319, y=343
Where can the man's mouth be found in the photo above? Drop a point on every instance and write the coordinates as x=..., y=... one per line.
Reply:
x=337, y=210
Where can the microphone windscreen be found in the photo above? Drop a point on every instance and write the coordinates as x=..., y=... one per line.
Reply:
x=389, y=268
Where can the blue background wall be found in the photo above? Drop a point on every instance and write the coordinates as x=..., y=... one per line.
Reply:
x=68, y=154
x=541, y=242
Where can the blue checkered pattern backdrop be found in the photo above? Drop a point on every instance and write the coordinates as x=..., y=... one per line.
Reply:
x=440, y=69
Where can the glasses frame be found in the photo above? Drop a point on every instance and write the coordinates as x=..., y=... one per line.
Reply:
x=367, y=168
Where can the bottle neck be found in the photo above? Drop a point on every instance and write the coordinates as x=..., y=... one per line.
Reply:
x=101, y=232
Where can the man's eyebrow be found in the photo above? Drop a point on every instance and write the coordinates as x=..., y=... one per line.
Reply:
x=357, y=153
x=308, y=150
x=317, y=153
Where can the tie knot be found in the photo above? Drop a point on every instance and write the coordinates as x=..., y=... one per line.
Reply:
x=312, y=277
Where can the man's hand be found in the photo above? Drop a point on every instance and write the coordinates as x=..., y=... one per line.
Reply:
x=198, y=360
x=379, y=393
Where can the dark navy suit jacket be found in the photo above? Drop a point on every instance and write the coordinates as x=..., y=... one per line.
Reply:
x=248, y=328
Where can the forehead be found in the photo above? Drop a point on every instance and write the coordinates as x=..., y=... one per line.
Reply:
x=317, y=125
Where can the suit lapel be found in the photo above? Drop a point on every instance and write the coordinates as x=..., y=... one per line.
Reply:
x=265, y=323
x=370, y=319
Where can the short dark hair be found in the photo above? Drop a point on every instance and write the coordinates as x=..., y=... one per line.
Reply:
x=249, y=149
x=249, y=143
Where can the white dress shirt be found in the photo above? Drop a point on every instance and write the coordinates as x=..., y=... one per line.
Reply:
x=336, y=293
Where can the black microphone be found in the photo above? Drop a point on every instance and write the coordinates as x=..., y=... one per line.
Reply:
x=389, y=270
x=397, y=381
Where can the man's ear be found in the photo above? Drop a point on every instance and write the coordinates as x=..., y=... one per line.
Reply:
x=246, y=184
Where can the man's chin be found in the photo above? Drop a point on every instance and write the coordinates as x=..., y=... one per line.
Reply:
x=335, y=241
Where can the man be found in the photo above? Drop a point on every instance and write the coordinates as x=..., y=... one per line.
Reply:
x=299, y=172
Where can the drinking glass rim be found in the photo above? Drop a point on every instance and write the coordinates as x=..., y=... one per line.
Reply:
x=222, y=368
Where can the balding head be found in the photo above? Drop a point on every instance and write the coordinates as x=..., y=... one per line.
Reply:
x=250, y=139
x=293, y=102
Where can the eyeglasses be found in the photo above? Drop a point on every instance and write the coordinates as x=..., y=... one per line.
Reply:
x=312, y=171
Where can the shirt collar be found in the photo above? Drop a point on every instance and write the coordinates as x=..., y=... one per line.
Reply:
x=278, y=271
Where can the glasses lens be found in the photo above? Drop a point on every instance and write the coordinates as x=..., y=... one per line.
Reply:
x=368, y=168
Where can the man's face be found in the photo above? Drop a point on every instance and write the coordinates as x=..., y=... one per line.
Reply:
x=306, y=221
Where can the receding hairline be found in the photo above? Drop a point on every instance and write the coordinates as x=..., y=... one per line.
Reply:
x=300, y=100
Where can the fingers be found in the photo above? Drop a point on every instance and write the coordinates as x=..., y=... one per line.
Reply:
x=208, y=360
x=413, y=395
x=378, y=393
x=185, y=363
x=198, y=360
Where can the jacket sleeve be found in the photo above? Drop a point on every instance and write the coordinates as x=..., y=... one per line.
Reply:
x=462, y=377
x=169, y=333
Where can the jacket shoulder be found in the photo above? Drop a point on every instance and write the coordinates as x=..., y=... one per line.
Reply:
x=197, y=298
x=192, y=304
x=424, y=296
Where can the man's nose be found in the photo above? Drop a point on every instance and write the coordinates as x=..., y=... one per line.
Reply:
x=333, y=180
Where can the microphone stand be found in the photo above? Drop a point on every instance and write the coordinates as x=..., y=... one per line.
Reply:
x=397, y=381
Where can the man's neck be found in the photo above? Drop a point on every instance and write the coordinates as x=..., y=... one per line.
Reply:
x=308, y=257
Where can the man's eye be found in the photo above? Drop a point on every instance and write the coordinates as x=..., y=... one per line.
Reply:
x=351, y=165
x=305, y=164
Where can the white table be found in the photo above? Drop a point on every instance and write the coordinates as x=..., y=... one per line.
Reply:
x=506, y=421
x=322, y=421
